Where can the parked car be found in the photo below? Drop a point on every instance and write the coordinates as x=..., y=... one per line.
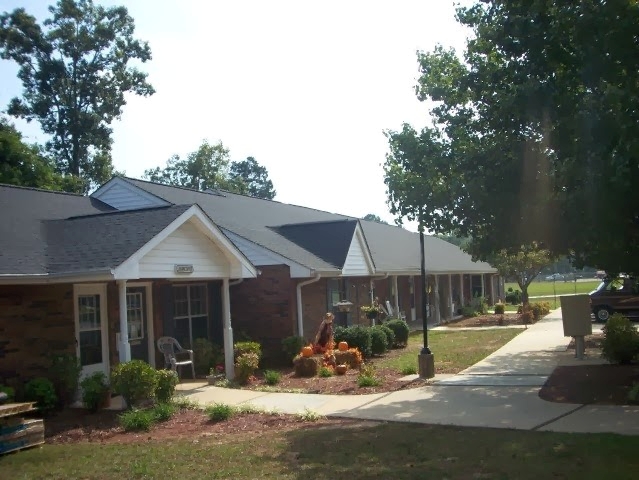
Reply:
x=555, y=277
x=620, y=294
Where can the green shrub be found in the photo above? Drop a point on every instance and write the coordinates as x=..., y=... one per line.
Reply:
x=500, y=309
x=390, y=334
x=356, y=336
x=219, y=412
x=240, y=348
x=41, y=391
x=539, y=309
x=514, y=298
x=272, y=377
x=292, y=346
x=64, y=372
x=379, y=341
x=468, y=311
x=325, y=372
x=206, y=355
x=633, y=394
x=245, y=366
x=621, y=340
x=409, y=370
x=94, y=390
x=136, y=420
x=11, y=393
x=401, y=330
x=163, y=411
x=167, y=380
x=136, y=381
x=480, y=304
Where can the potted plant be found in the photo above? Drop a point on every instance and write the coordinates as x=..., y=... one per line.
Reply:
x=96, y=393
x=371, y=311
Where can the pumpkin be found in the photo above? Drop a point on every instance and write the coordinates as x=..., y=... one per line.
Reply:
x=342, y=346
x=341, y=369
x=307, y=351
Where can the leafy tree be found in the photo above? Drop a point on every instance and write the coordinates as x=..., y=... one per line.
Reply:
x=209, y=167
x=523, y=264
x=254, y=177
x=535, y=133
x=206, y=168
x=457, y=241
x=371, y=217
x=75, y=72
x=24, y=165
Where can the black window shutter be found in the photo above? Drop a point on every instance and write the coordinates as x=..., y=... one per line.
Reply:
x=166, y=299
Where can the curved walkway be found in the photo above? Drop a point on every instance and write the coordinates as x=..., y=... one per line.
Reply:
x=500, y=391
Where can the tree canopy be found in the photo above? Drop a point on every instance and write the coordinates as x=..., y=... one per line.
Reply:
x=523, y=264
x=210, y=167
x=75, y=71
x=534, y=136
x=24, y=165
x=254, y=177
x=374, y=218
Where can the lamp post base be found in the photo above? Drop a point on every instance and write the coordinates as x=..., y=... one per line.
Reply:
x=426, y=362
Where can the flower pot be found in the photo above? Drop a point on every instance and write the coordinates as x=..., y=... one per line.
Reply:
x=371, y=315
x=341, y=369
x=213, y=379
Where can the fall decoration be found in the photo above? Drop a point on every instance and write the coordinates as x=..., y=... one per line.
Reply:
x=341, y=369
x=307, y=351
x=342, y=346
x=306, y=366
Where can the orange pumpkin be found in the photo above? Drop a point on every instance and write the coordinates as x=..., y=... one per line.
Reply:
x=307, y=351
x=342, y=346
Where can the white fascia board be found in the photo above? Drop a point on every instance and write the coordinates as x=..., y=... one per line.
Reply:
x=129, y=269
x=46, y=278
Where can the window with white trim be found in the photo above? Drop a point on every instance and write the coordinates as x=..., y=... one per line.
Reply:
x=134, y=314
x=190, y=313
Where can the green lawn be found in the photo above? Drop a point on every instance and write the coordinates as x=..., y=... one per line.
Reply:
x=454, y=351
x=372, y=450
x=546, y=288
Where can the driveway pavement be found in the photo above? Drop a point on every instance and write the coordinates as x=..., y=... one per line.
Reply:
x=501, y=391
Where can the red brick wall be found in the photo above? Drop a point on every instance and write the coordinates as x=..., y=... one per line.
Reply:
x=314, y=306
x=35, y=321
x=264, y=307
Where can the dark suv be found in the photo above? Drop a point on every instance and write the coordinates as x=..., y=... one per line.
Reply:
x=615, y=295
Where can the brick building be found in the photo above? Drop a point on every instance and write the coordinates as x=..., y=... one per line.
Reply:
x=105, y=276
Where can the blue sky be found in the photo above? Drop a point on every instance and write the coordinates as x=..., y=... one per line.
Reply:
x=307, y=88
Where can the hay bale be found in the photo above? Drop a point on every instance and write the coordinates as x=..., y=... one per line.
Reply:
x=307, y=366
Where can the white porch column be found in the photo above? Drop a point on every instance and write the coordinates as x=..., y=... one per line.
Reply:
x=450, y=296
x=461, y=290
x=438, y=316
x=124, y=348
x=396, y=306
x=229, y=364
x=483, y=286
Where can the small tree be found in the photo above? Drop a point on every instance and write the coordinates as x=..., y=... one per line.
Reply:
x=524, y=265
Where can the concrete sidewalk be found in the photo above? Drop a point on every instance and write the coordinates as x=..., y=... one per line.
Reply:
x=501, y=391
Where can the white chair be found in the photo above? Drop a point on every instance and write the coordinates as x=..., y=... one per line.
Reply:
x=171, y=348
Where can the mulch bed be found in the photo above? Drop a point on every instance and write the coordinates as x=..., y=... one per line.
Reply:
x=591, y=384
x=489, y=320
x=80, y=426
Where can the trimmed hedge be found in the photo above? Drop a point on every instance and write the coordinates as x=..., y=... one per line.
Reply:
x=379, y=341
x=390, y=335
x=356, y=336
x=401, y=330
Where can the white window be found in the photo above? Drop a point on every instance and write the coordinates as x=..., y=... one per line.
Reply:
x=190, y=313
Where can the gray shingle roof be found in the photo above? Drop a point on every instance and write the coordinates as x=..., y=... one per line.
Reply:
x=329, y=241
x=44, y=232
x=22, y=236
x=392, y=248
x=103, y=241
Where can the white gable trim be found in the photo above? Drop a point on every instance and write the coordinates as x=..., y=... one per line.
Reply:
x=359, y=261
x=241, y=267
x=123, y=195
x=261, y=256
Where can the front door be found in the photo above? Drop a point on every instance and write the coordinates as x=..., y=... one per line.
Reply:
x=91, y=328
x=136, y=320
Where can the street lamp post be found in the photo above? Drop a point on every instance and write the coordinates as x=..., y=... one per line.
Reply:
x=425, y=359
